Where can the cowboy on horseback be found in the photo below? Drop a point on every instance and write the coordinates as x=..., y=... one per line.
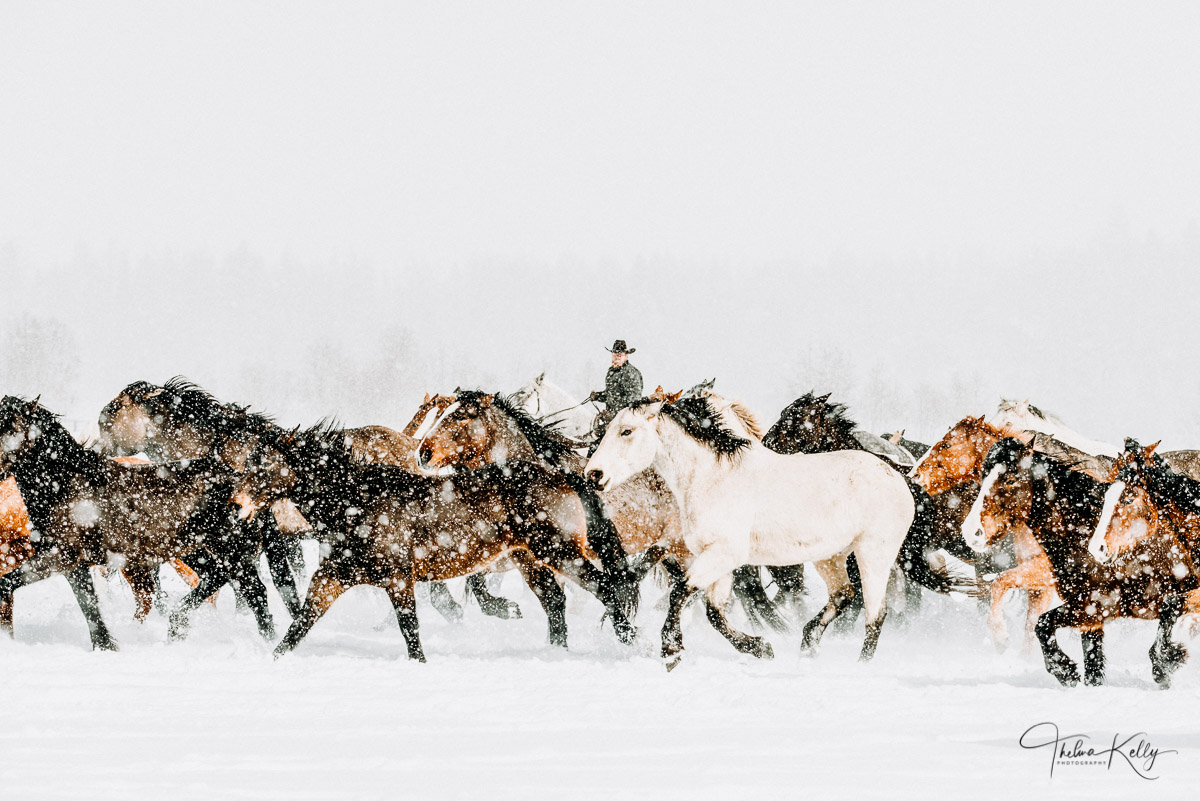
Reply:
x=622, y=387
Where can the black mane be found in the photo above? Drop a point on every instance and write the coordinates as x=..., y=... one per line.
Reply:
x=1167, y=485
x=812, y=424
x=196, y=406
x=702, y=423
x=546, y=441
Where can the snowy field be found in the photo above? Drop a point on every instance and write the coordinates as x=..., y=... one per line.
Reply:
x=496, y=713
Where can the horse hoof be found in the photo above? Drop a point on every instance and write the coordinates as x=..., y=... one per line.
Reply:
x=1094, y=680
x=513, y=611
x=626, y=633
x=763, y=650
x=107, y=644
x=673, y=662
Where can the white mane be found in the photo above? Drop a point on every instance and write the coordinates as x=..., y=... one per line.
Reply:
x=1024, y=416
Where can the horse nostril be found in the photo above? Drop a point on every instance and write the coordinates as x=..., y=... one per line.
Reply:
x=595, y=476
x=424, y=455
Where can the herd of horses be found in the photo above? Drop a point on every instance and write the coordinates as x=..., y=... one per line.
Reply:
x=687, y=485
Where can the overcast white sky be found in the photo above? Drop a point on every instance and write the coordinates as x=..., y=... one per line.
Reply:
x=999, y=197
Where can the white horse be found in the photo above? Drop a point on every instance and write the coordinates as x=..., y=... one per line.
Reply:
x=744, y=504
x=1024, y=416
x=553, y=406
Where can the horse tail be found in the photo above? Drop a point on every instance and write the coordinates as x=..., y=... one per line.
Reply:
x=603, y=539
x=748, y=587
x=922, y=536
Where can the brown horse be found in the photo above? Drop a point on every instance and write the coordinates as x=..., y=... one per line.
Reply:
x=15, y=547
x=179, y=420
x=394, y=528
x=1062, y=507
x=83, y=507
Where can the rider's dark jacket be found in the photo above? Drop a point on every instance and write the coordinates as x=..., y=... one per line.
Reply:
x=622, y=387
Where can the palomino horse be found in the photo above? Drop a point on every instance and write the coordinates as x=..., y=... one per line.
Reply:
x=480, y=429
x=744, y=504
x=84, y=507
x=394, y=528
x=1062, y=507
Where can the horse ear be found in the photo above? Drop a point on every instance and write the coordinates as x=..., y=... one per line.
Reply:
x=426, y=399
x=1131, y=444
x=674, y=396
x=290, y=436
x=1150, y=448
x=33, y=405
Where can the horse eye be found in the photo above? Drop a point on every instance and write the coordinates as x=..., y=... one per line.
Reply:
x=627, y=432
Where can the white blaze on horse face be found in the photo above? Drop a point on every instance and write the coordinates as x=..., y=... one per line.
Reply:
x=427, y=422
x=1098, y=545
x=972, y=527
x=629, y=446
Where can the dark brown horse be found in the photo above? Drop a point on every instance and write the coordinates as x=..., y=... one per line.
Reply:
x=393, y=528
x=1062, y=508
x=179, y=420
x=83, y=507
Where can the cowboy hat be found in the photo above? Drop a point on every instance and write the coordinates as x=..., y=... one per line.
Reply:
x=619, y=347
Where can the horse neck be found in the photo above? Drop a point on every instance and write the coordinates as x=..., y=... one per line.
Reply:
x=45, y=476
x=1176, y=496
x=681, y=461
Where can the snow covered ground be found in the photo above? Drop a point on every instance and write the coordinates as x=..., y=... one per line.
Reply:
x=498, y=714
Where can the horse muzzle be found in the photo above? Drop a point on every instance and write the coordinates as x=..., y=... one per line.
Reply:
x=598, y=480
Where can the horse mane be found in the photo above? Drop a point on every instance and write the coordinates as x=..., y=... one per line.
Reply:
x=747, y=418
x=835, y=430
x=545, y=439
x=199, y=407
x=1176, y=488
x=703, y=423
x=62, y=452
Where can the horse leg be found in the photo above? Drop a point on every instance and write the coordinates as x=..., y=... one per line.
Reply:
x=845, y=620
x=249, y=585
x=746, y=643
x=875, y=569
x=279, y=564
x=841, y=591
x=80, y=580
x=400, y=591
x=645, y=562
x=489, y=604
x=325, y=588
x=562, y=555
x=1058, y=664
x=749, y=590
x=141, y=581
x=1167, y=656
x=211, y=578
x=789, y=579
x=1093, y=655
x=444, y=603
x=1008, y=580
x=672, y=632
x=551, y=596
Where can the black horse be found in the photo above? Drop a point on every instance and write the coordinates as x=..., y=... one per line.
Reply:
x=83, y=507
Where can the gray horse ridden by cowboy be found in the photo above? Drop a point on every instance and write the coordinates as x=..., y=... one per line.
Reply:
x=622, y=387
